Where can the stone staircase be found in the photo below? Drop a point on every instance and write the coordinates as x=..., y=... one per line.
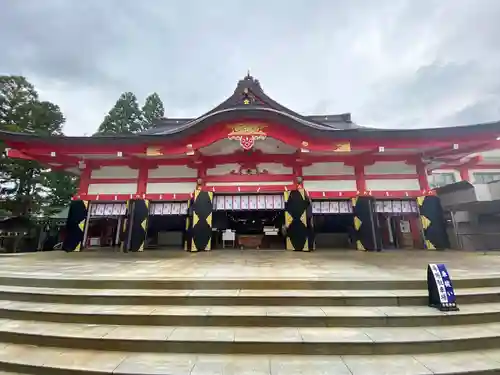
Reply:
x=200, y=327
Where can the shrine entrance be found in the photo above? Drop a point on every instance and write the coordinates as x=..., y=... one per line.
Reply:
x=398, y=224
x=333, y=224
x=248, y=221
x=104, y=225
x=166, y=224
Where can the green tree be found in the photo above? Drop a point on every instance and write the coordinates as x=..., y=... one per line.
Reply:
x=124, y=118
x=22, y=182
x=60, y=187
x=152, y=111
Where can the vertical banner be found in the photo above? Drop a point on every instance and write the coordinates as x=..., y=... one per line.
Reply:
x=296, y=223
x=441, y=293
x=187, y=232
x=433, y=223
x=201, y=227
x=75, y=225
x=311, y=241
x=365, y=236
x=138, y=224
x=124, y=243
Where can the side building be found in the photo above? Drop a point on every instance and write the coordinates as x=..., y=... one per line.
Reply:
x=252, y=173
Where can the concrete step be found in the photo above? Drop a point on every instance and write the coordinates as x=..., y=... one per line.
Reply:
x=55, y=361
x=241, y=283
x=239, y=296
x=250, y=316
x=252, y=340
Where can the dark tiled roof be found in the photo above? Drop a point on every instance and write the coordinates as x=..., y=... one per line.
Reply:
x=249, y=95
x=249, y=102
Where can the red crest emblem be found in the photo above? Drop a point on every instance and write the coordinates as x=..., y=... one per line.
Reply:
x=247, y=142
x=247, y=134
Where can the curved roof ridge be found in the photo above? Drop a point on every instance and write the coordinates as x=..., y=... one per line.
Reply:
x=266, y=109
x=249, y=93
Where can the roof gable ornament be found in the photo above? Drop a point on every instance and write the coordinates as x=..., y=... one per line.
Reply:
x=248, y=98
x=245, y=91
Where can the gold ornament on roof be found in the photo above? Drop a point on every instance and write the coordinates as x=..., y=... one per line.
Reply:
x=154, y=151
x=342, y=147
x=247, y=129
x=247, y=134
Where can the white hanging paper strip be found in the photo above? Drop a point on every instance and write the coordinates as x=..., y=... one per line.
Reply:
x=261, y=202
x=344, y=207
x=278, y=202
x=184, y=208
x=414, y=207
x=334, y=207
x=228, y=202
x=167, y=209
x=269, y=202
x=214, y=202
x=387, y=206
x=252, y=202
x=349, y=207
x=244, y=202
x=316, y=207
x=220, y=202
x=100, y=210
x=396, y=206
x=176, y=208
x=237, y=202
x=325, y=207
x=379, y=206
x=117, y=209
x=405, y=206
x=158, y=208
x=108, y=209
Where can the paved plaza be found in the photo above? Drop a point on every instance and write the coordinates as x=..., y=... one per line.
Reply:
x=250, y=264
x=232, y=312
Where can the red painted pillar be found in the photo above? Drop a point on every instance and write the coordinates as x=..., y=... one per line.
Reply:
x=83, y=186
x=464, y=173
x=142, y=182
x=422, y=177
x=359, y=171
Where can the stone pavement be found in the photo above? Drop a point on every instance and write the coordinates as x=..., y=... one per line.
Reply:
x=45, y=359
x=246, y=312
x=250, y=264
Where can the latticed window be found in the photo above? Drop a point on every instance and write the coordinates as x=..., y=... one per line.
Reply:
x=441, y=179
x=485, y=177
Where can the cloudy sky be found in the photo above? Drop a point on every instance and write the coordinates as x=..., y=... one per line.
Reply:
x=391, y=63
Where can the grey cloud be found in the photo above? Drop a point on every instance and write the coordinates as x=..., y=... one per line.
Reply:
x=390, y=62
x=485, y=110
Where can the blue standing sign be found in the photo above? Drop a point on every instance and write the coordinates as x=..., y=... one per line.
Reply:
x=441, y=293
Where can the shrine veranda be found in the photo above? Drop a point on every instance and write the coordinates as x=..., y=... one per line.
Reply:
x=251, y=173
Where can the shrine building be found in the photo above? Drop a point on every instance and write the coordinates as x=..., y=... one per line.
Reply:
x=251, y=173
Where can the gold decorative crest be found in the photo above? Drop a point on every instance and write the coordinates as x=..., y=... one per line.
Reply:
x=342, y=147
x=154, y=151
x=247, y=129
